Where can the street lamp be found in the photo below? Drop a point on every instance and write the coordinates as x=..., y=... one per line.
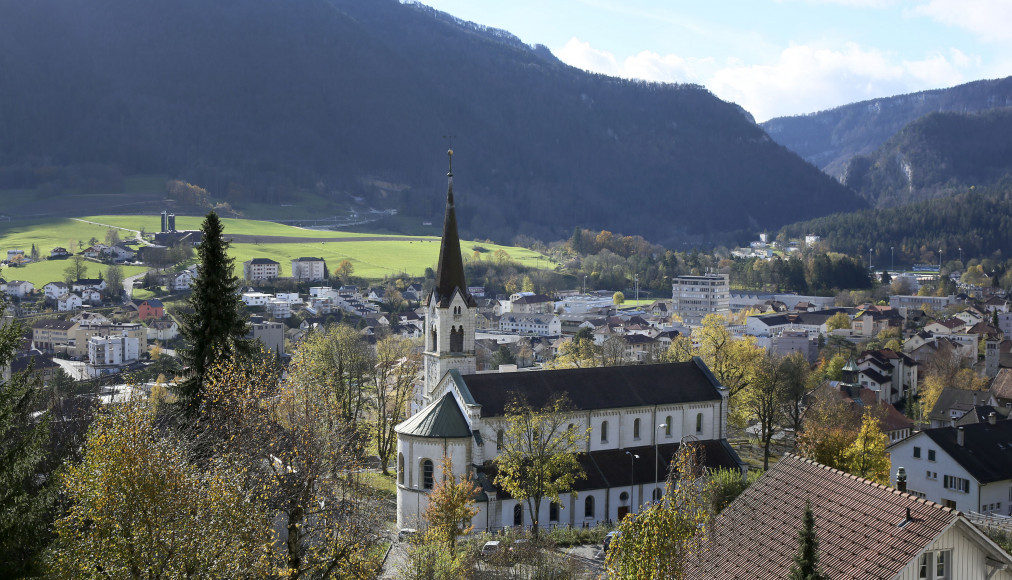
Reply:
x=869, y=258
x=632, y=490
x=584, y=285
x=892, y=258
x=960, y=257
x=657, y=457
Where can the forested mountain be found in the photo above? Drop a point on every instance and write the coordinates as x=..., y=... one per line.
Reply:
x=939, y=154
x=829, y=139
x=253, y=99
x=979, y=221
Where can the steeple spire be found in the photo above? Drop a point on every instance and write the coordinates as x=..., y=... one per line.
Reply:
x=450, y=271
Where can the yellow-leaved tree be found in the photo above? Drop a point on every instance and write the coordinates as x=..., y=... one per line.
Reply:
x=451, y=505
x=140, y=509
x=657, y=542
x=867, y=456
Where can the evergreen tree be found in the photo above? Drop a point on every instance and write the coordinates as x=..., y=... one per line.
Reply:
x=218, y=325
x=806, y=561
x=25, y=502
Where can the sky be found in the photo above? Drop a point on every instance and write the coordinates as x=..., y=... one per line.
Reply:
x=772, y=57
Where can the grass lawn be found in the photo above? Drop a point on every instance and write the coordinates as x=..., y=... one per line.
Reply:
x=47, y=235
x=385, y=485
x=46, y=271
x=372, y=260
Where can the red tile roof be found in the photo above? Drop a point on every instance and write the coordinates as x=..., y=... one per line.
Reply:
x=856, y=521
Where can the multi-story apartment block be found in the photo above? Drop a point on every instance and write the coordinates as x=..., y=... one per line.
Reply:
x=693, y=297
x=309, y=269
x=261, y=269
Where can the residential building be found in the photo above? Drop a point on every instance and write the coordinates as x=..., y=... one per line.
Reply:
x=865, y=531
x=50, y=335
x=19, y=288
x=88, y=283
x=934, y=302
x=279, y=308
x=163, y=330
x=68, y=302
x=270, y=334
x=967, y=468
x=309, y=269
x=256, y=298
x=694, y=297
x=81, y=333
x=108, y=354
x=54, y=290
x=58, y=252
x=813, y=323
x=150, y=309
x=261, y=269
x=181, y=280
x=539, y=324
x=898, y=370
x=91, y=296
x=528, y=303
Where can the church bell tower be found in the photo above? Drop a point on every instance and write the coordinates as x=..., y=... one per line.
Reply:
x=450, y=309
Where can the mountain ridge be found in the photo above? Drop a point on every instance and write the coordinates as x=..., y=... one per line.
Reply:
x=253, y=99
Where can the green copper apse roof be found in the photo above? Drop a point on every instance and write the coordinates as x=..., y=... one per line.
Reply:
x=440, y=419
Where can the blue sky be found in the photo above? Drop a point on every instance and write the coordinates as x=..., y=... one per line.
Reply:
x=772, y=57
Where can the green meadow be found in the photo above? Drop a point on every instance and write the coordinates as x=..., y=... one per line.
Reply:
x=375, y=260
x=379, y=259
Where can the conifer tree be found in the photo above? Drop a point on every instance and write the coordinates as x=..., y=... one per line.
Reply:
x=217, y=326
x=25, y=501
x=806, y=561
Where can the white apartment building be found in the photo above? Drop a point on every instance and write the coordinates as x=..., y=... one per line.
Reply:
x=261, y=269
x=106, y=354
x=694, y=297
x=309, y=269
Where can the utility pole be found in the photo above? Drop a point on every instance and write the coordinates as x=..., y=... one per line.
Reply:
x=892, y=258
x=636, y=278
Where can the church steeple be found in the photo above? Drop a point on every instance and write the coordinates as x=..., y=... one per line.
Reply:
x=450, y=270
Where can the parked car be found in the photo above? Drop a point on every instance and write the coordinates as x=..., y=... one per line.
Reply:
x=608, y=538
x=405, y=534
x=490, y=548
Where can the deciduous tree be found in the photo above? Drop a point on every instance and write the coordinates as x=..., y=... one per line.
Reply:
x=867, y=456
x=114, y=280
x=538, y=460
x=76, y=269
x=140, y=509
x=396, y=369
x=451, y=505
x=657, y=542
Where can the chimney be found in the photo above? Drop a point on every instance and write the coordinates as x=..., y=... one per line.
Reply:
x=960, y=436
x=992, y=417
x=901, y=481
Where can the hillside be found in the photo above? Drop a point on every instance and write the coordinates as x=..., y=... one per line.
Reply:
x=829, y=139
x=939, y=154
x=978, y=221
x=258, y=99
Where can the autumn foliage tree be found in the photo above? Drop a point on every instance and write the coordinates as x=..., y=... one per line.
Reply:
x=657, y=541
x=140, y=509
x=538, y=460
x=451, y=505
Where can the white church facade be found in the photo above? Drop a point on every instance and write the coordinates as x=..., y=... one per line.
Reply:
x=636, y=416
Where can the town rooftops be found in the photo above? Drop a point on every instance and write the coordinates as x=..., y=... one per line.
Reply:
x=597, y=387
x=532, y=299
x=305, y=259
x=262, y=261
x=53, y=324
x=865, y=530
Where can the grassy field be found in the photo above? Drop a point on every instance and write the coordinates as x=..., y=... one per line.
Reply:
x=374, y=260
x=41, y=273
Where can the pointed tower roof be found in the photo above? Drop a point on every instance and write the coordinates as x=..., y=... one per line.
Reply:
x=450, y=271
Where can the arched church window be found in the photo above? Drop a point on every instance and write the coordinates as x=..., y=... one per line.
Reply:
x=457, y=339
x=498, y=440
x=400, y=468
x=427, y=481
x=667, y=426
x=658, y=493
x=588, y=507
x=699, y=422
x=518, y=515
x=434, y=345
x=604, y=431
x=636, y=429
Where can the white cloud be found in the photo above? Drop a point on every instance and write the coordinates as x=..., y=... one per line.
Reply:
x=988, y=19
x=800, y=79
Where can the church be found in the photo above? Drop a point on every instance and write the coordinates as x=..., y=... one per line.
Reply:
x=636, y=416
